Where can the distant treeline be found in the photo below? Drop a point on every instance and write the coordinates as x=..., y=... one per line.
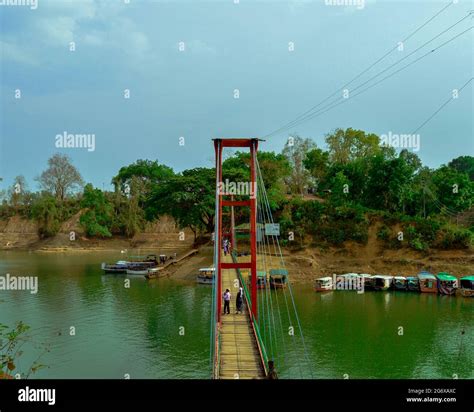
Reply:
x=325, y=196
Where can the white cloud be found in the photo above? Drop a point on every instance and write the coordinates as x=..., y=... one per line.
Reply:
x=100, y=26
x=12, y=52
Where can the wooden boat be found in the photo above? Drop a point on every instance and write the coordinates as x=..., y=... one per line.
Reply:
x=155, y=273
x=382, y=282
x=400, y=283
x=148, y=260
x=261, y=279
x=323, y=284
x=206, y=276
x=119, y=267
x=413, y=283
x=447, y=283
x=368, y=281
x=348, y=281
x=278, y=278
x=427, y=282
x=467, y=286
x=122, y=266
x=138, y=269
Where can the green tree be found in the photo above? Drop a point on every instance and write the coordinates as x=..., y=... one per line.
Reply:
x=188, y=197
x=45, y=211
x=350, y=144
x=317, y=163
x=97, y=219
x=453, y=190
x=150, y=173
x=463, y=164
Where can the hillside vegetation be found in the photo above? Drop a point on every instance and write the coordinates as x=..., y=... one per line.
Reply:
x=321, y=197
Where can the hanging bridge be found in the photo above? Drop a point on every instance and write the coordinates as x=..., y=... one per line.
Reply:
x=266, y=338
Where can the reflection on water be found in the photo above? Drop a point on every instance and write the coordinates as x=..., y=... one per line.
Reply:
x=160, y=329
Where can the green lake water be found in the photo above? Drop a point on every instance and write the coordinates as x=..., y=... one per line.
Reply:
x=161, y=328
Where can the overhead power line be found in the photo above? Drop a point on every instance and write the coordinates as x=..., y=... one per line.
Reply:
x=309, y=112
x=442, y=107
x=334, y=104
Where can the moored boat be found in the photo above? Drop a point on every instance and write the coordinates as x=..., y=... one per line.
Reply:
x=154, y=273
x=413, y=283
x=138, y=269
x=368, y=281
x=261, y=279
x=206, y=276
x=122, y=266
x=447, y=283
x=467, y=286
x=323, y=284
x=278, y=278
x=427, y=282
x=382, y=282
x=119, y=267
x=349, y=281
x=400, y=283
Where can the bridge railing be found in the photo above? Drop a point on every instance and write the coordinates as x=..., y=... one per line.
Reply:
x=256, y=328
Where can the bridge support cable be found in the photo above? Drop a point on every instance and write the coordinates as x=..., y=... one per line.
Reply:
x=264, y=253
x=280, y=254
x=295, y=351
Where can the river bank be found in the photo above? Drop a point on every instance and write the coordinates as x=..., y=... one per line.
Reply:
x=304, y=264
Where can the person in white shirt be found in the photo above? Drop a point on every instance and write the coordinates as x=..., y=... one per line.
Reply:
x=227, y=297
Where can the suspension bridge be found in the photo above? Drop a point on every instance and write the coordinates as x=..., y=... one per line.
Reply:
x=266, y=337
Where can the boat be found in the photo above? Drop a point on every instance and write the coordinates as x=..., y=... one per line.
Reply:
x=261, y=279
x=413, y=283
x=122, y=266
x=138, y=269
x=148, y=260
x=382, y=282
x=447, y=283
x=427, y=282
x=154, y=273
x=467, y=286
x=349, y=281
x=278, y=278
x=400, y=283
x=323, y=284
x=119, y=267
x=368, y=281
x=206, y=276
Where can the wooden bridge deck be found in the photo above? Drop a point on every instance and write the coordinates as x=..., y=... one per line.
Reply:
x=239, y=355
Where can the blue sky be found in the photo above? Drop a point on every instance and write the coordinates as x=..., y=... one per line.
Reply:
x=190, y=93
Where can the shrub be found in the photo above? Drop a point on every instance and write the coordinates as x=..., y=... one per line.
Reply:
x=454, y=238
x=384, y=233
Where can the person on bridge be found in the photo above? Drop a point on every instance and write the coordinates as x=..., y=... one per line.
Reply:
x=239, y=302
x=227, y=298
x=271, y=371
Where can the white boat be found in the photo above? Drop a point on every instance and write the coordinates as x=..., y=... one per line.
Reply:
x=206, y=276
x=323, y=284
x=400, y=283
